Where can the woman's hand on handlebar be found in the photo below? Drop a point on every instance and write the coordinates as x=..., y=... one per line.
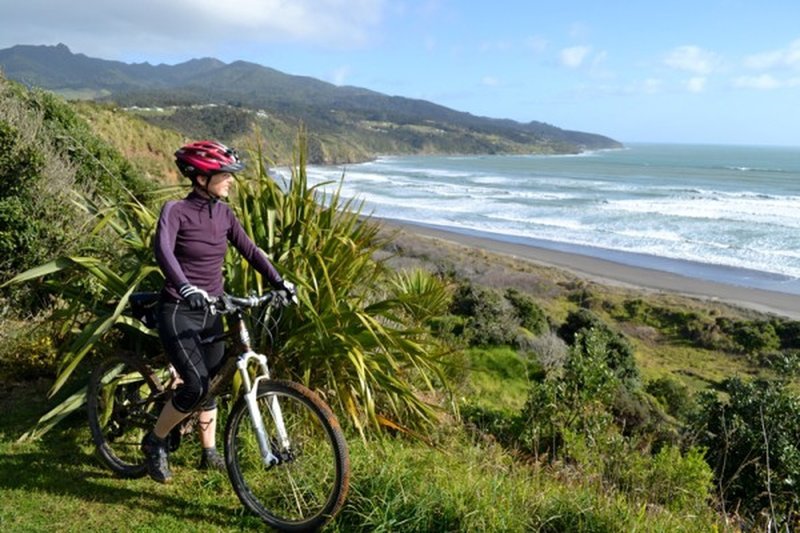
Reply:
x=194, y=296
x=290, y=290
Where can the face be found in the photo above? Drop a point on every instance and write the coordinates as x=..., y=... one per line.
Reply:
x=219, y=185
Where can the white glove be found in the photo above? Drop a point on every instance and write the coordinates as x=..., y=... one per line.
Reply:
x=291, y=290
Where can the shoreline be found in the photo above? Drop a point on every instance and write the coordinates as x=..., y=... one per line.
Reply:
x=606, y=271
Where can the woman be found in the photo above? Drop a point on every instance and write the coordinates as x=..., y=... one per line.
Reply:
x=190, y=244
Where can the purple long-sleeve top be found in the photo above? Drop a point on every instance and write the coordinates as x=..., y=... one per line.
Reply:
x=191, y=240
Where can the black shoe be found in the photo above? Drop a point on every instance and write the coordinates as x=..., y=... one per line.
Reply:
x=155, y=453
x=211, y=460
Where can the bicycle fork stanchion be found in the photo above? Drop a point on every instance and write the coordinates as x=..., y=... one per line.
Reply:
x=251, y=395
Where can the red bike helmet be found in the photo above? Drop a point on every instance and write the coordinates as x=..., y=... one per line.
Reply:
x=207, y=158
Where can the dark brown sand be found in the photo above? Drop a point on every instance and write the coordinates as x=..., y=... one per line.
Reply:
x=610, y=273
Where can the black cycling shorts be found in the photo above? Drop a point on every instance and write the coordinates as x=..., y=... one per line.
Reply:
x=181, y=329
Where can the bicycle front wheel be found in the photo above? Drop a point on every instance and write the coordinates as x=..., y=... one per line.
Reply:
x=308, y=486
x=124, y=399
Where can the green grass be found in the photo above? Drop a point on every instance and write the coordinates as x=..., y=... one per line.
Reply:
x=498, y=378
x=460, y=484
x=464, y=485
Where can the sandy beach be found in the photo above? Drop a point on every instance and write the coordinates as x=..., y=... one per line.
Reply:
x=612, y=273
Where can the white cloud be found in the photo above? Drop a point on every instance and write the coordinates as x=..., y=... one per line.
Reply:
x=574, y=56
x=99, y=26
x=765, y=82
x=578, y=30
x=784, y=57
x=692, y=59
x=696, y=84
x=598, y=67
x=490, y=81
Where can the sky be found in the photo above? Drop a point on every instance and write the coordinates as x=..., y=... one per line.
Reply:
x=699, y=71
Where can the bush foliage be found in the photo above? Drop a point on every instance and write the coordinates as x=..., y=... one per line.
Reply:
x=752, y=440
x=46, y=152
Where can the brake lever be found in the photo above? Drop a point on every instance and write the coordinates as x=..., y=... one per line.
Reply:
x=287, y=297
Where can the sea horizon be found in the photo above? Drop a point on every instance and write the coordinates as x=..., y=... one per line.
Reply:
x=723, y=213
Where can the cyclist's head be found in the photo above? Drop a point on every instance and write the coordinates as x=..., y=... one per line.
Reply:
x=206, y=158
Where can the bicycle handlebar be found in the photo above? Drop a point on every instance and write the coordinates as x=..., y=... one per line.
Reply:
x=228, y=303
x=143, y=305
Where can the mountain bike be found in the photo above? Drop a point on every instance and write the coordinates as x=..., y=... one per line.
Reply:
x=285, y=452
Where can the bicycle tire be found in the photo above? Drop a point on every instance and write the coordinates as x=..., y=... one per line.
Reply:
x=124, y=399
x=308, y=488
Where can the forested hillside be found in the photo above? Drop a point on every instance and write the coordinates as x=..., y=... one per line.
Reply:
x=209, y=98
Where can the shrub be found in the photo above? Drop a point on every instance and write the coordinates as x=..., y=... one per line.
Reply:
x=753, y=445
x=529, y=314
x=789, y=333
x=706, y=333
x=637, y=415
x=673, y=395
x=549, y=350
x=47, y=153
x=450, y=329
x=490, y=318
x=755, y=336
x=32, y=221
x=577, y=401
x=697, y=328
x=619, y=351
x=28, y=350
x=785, y=363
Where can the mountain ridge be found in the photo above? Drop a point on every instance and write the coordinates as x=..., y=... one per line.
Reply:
x=376, y=122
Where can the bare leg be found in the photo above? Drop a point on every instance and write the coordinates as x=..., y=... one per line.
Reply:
x=168, y=419
x=208, y=428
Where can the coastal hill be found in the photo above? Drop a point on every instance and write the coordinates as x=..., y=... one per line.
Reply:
x=207, y=97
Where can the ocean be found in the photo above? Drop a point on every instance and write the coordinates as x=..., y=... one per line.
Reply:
x=723, y=213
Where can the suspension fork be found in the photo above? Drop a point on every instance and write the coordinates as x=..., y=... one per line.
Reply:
x=251, y=394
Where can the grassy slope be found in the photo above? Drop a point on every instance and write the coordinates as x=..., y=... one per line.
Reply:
x=149, y=148
x=463, y=483
x=460, y=484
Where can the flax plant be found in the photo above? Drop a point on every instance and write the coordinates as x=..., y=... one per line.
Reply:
x=93, y=293
x=360, y=333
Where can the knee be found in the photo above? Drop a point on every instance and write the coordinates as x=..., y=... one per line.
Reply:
x=189, y=396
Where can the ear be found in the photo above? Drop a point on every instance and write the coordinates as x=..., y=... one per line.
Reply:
x=201, y=180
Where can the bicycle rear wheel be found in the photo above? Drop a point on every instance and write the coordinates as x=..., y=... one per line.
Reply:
x=308, y=487
x=124, y=399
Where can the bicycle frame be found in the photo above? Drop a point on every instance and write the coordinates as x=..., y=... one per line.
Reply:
x=126, y=393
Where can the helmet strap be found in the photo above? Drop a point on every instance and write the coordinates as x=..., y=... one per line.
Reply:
x=204, y=188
